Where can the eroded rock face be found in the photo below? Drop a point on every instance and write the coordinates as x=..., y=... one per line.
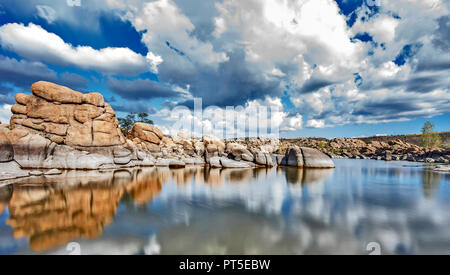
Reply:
x=146, y=132
x=293, y=157
x=56, y=127
x=65, y=116
x=6, y=149
x=306, y=157
x=315, y=159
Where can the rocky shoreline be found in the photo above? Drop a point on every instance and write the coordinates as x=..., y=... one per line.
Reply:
x=56, y=128
x=353, y=148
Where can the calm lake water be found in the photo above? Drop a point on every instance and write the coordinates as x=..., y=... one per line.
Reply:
x=404, y=207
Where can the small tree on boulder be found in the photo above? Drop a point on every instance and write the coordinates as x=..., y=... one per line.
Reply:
x=126, y=123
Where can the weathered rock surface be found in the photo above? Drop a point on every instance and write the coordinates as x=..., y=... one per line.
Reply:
x=11, y=170
x=306, y=157
x=6, y=148
x=66, y=117
x=174, y=163
x=313, y=158
x=214, y=162
x=368, y=148
x=229, y=163
x=293, y=157
x=146, y=132
x=56, y=127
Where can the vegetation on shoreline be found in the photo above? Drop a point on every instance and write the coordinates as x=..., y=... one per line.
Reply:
x=430, y=138
x=126, y=123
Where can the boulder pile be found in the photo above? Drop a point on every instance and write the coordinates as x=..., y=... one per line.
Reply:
x=55, y=127
x=358, y=149
x=68, y=117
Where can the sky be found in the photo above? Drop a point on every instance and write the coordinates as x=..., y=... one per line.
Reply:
x=324, y=68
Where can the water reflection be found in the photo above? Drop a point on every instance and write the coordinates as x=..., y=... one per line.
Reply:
x=430, y=181
x=197, y=210
x=51, y=211
x=5, y=196
x=307, y=176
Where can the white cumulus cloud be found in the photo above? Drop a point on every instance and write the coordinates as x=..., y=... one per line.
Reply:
x=5, y=113
x=313, y=123
x=35, y=43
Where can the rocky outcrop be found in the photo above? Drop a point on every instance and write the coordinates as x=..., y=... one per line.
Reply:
x=239, y=152
x=146, y=137
x=305, y=157
x=392, y=150
x=6, y=149
x=11, y=170
x=55, y=127
x=66, y=117
x=313, y=158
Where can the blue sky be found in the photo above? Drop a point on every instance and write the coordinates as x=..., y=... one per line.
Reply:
x=343, y=68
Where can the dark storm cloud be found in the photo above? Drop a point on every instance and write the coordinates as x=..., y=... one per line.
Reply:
x=400, y=107
x=22, y=74
x=201, y=18
x=314, y=84
x=433, y=65
x=132, y=106
x=441, y=41
x=233, y=83
x=141, y=89
x=390, y=106
x=73, y=80
x=420, y=84
x=442, y=34
x=6, y=96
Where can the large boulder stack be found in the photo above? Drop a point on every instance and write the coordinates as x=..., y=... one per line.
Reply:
x=239, y=152
x=214, y=147
x=66, y=117
x=56, y=127
x=146, y=137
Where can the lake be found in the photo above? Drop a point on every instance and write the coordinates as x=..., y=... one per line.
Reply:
x=360, y=207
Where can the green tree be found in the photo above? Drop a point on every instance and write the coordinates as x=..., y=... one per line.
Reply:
x=430, y=138
x=126, y=123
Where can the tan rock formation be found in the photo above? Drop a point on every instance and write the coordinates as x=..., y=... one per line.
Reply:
x=6, y=149
x=65, y=116
x=51, y=217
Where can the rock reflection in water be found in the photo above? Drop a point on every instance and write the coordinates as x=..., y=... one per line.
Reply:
x=307, y=176
x=53, y=210
x=5, y=196
x=430, y=181
x=55, y=214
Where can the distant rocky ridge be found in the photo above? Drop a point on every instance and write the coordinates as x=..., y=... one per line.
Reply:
x=391, y=150
x=58, y=128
